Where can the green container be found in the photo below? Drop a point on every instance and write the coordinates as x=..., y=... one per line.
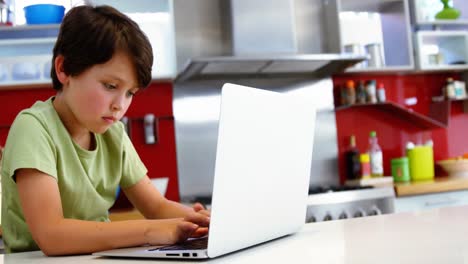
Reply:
x=400, y=169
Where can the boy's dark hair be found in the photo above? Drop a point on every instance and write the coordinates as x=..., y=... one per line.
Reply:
x=91, y=35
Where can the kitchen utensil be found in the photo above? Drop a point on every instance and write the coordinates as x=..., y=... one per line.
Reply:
x=455, y=167
x=44, y=14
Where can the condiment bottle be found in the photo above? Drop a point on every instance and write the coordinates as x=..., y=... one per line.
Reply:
x=375, y=155
x=449, y=89
x=350, y=92
x=353, y=166
x=361, y=93
x=371, y=91
x=381, y=93
x=365, y=165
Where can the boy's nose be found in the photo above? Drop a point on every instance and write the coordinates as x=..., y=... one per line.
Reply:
x=118, y=103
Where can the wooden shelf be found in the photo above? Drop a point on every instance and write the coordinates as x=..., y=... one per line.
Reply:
x=439, y=184
x=436, y=119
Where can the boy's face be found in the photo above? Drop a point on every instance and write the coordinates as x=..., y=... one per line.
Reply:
x=101, y=95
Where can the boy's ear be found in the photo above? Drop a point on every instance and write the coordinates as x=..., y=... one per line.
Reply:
x=61, y=75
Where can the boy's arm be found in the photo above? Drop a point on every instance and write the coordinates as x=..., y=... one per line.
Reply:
x=147, y=199
x=42, y=208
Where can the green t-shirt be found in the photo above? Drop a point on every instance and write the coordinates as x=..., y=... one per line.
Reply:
x=87, y=180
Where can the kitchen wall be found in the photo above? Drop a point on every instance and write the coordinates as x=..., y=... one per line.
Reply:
x=160, y=158
x=393, y=130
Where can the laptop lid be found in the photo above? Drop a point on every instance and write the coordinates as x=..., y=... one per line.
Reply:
x=262, y=170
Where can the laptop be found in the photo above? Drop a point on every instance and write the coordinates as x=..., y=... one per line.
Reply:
x=261, y=176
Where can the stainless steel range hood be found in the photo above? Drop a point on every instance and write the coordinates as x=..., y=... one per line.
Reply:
x=278, y=66
x=252, y=38
x=270, y=45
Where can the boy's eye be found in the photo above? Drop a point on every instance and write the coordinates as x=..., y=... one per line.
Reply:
x=130, y=93
x=110, y=86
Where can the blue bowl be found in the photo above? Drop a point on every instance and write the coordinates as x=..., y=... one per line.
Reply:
x=44, y=14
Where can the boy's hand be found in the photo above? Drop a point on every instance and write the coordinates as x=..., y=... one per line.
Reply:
x=170, y=231
x=201, y=217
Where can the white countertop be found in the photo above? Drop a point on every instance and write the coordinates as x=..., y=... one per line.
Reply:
x=436, y=236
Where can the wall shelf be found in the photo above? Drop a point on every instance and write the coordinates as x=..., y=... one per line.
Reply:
x=434, y=120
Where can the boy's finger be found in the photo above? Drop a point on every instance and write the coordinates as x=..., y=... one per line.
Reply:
x=198, y=207
x=198, y=219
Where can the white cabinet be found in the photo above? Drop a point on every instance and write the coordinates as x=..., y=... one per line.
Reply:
x=442, y=50
x=383, y=25
x=26, y=51
x=440, y=44
x=431, y=201
x=25, y=57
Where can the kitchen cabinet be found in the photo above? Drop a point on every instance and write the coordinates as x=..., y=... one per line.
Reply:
x=28, y=48
x=442, y=50
x=440, y=44
x=387, y=27
x=25, y=55
x=431, y=201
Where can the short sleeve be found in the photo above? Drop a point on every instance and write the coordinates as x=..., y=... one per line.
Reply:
x=133, y=168
x=29, y=145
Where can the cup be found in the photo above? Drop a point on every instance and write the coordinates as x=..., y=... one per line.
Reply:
x=376, y=59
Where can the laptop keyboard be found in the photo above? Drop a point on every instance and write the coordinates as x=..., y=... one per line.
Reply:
x=200, y=243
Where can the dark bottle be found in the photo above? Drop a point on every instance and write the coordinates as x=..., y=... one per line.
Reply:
x=361, y=95
x=353, y=164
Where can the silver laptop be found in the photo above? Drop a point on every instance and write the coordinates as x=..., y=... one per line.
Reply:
x=262, y=170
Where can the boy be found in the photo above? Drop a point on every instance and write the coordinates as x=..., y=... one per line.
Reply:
x=65, y=157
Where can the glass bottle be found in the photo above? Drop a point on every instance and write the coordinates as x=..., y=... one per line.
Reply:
x=353, y=165
x=350, y=92
x=371, y=91
x=361, y=93
x=375, y=154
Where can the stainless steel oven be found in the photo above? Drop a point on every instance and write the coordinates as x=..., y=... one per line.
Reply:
x=343, y=202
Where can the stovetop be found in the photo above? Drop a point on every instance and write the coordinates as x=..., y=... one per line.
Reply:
x=340, y=188
x=206, y=200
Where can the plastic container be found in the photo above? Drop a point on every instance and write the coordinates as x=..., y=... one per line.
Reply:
x=400, y=169
x=421, y=163
x=44, y=14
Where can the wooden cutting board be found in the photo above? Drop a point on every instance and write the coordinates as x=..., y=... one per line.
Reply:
x=439, y=184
